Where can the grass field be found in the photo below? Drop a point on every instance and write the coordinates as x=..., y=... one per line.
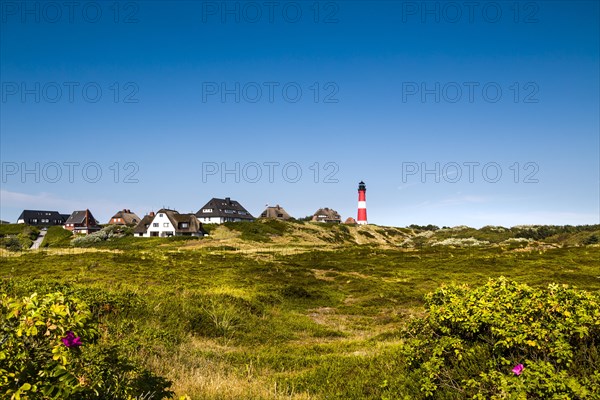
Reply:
x=287, y=310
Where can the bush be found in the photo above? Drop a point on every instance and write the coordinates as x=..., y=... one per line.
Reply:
x=104, y=234
x=57, y=236
x=472, y=339
x=49, y=350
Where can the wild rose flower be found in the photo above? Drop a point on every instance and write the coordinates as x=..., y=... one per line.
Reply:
x=71, y=340
x=518, y=369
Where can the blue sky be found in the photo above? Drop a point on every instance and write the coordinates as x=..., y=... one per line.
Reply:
x=452, y=114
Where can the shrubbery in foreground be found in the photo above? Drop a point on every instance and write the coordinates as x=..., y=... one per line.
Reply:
x=506, y=340
x=49, y=349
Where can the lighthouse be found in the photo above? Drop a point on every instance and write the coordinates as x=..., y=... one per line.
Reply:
x=362, y=204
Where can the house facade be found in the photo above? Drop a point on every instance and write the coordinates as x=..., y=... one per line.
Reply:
x=327, y=215
x=167, y=223
x=42, y=218
x=124, y=217
x=218, y=211
x=82, y=222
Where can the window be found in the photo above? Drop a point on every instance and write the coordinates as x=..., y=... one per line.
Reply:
x=207, y=210
x=165, y=224
x=184, y=225
x=155, y=225
x=160, y=215
x=34, y=220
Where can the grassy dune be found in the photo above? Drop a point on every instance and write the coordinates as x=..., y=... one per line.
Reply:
x=287, y=310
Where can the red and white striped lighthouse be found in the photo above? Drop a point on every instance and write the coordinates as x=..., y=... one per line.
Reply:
x=362, y=204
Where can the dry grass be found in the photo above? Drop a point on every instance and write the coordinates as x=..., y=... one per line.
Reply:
x=194, y=372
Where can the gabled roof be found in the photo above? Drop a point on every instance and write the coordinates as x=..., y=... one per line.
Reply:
x=275, y=212
x=78, y=217
x=143, y=225
x=193, y=225
x=225, y=208
x=176, y=219
x=128, y=217
x=27, y=215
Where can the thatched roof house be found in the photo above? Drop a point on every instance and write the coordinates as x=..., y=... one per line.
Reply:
x=166, y=223
x=327, y=215
x=125, y=217
x=276, y=212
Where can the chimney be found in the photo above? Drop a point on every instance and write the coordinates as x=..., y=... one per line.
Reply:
x=151, y=213
x=228, y=200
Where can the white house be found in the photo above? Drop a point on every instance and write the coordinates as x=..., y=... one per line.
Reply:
x=166, y=223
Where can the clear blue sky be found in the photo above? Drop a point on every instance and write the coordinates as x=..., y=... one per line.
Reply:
x=389, y=90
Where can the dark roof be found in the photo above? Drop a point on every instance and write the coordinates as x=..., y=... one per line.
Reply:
x=78, y=217
x=53, y=216
x=225, y=208
x=143, y=225
x=128, y=217
x=275, y=212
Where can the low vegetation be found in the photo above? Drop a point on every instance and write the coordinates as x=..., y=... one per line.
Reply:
x=297, y=310
x=17, y=237
x=57, y=236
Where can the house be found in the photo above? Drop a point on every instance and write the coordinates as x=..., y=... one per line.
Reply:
x=218, y=211
x=276, y=212
x=82, y=222
x=142, y=227
x=167, y=223
x=42, y=218
x=124, y=217
x=350, y=221
x=327, y=215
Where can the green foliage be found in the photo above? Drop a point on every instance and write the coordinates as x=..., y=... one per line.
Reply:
x=424, y=227
x=318, y=320
x=57, y=236
x=539, y=232
x=11, y=229
x=592, y=239
x=472, y=338
x=105, y=234
x=366, y=234
x=259, y=231
x=17, y=237
x=38, y=362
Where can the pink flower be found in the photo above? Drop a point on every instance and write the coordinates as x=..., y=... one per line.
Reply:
x=71, y=340
x=518, y=369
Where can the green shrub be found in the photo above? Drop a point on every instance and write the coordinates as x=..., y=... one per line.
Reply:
x=107, y=233
x=49, y=350
x=57, y=236
x=472, y=339
x=259, y=231
x=592, y=239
